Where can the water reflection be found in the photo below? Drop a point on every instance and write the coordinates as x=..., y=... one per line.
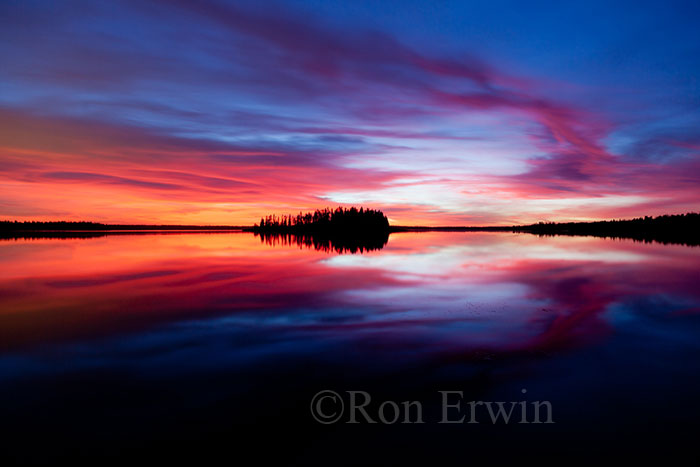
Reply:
x=488, y=310
x=445, y=292
x=336, y=244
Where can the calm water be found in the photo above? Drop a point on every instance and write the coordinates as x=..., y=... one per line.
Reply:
x=194, y=345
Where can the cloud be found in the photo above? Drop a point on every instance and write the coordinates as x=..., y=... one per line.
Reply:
x=229, y=109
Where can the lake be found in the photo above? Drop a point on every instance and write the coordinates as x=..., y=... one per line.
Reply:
x=201, y=345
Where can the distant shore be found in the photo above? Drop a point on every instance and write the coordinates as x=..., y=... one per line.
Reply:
x=68, y=230
x=70, y=226
x=677, y=228
x=681, y=228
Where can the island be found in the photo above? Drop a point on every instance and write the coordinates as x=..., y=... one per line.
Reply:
x=343, y=230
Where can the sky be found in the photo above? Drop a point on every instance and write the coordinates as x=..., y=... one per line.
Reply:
x=437, y=113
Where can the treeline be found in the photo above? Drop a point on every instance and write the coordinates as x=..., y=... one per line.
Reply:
x=52, y=225
x=354, y=228
x=78, y=226
x=677, y=228
x=339, y=221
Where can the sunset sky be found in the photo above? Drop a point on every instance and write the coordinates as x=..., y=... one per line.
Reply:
x=436, y=112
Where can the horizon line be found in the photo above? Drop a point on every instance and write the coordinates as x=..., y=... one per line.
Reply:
x=237, y=227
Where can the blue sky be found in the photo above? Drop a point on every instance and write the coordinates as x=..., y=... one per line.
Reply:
x=435, y=112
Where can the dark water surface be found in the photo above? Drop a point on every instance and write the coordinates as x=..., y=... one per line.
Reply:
x=212, y=346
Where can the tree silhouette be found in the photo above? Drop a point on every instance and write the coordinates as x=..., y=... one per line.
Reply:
x=341, y=230
x=341, y=221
